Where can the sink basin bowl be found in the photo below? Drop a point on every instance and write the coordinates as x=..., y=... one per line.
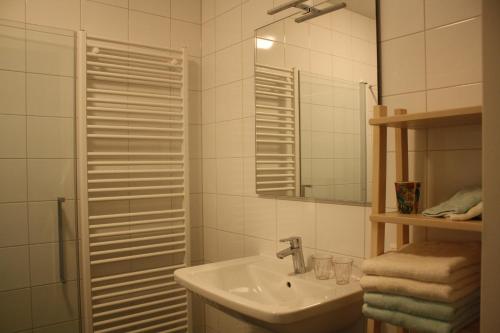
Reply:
x=265, y=292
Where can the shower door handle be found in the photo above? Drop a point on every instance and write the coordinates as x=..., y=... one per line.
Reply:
x=60, y=201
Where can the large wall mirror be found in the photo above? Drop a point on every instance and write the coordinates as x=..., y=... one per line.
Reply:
x=315, y=86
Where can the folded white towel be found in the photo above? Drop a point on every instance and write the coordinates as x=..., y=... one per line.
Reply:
x=425, y=290
x=441, y=262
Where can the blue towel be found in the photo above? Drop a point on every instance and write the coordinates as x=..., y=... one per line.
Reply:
x=420, y=324
x=460, y=203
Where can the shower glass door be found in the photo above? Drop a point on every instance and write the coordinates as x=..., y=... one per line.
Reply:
x=39, y=289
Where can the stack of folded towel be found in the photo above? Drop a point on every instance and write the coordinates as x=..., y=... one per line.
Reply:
x=427, y=287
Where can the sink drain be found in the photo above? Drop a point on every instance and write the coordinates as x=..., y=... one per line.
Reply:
x=289, y=284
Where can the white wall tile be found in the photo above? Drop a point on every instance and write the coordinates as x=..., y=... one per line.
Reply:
x=228, y=67
x=185, y=34
x=49, y=95
x=249, y=176
x=297, y=57
x=42, y=218
x=14, y=267
x=208, y=109
x=12, y=48
x=341, y=44
x=54, y=303
x=12, y=92
x=207, y=10
x=260, y=218
x=297, y=34
x=228, y=101
x=454, y=54
x=441, y=12
x=149, y=29
x=121, y=3
x=450, y=171
x=156, y=7
x=254, y=13
x=257, y=246
x=107, y=21
x=208, y=140
x=228, y=28
x=208, y=71
x=231, y=246
x=273, y=56
x=14, y=224
x=228, y=139
x=399, y=18
x=320, y=39
x=230, y=176
x=340, y=229
x=13, y=180
x=405, y=57
x=455, y=97
x=208, y=37
x=210, y=175
x=297, y=218
x=248, y=97
x=44, y=263
x=12, y=136
x=13, y=10
x=209, y=210
x=50, y=178
x=364, y=27
x=230, y=216
x=187, y=10
x=222, y=6
x=15, y=310
x=451, y=138
x=55, y=13
x=50, y=137
x=210, y=245
x=50, y=54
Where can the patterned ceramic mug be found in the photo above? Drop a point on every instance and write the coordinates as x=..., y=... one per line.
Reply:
x=408, y=194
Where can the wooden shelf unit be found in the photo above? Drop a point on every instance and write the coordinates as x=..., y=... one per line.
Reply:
x=419, y=220
x=402, y=121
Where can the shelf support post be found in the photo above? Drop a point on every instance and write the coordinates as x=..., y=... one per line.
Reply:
x=403, y=231
x=379, y=192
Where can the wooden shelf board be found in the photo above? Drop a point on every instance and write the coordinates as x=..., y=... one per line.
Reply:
x=424, y=221
x=443, y=118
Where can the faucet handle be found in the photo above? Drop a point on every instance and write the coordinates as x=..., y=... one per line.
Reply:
x=295, y=241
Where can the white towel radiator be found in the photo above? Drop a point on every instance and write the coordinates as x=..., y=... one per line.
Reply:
x=133, y=185
x=277, y=164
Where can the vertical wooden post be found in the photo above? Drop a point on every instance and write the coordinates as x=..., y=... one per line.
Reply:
x=378, y=196
x=403, y=231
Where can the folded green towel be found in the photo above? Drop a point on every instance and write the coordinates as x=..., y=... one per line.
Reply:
x=460, y=203
x=420, y=324
x=420, y=307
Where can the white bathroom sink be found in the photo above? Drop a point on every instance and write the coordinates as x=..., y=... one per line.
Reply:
x=264, y=291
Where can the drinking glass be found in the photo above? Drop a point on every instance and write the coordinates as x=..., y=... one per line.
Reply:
x=343, y=269
x=322, y=266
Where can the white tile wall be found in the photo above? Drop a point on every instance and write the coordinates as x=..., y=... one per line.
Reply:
x=39, y=106
x=431, y=60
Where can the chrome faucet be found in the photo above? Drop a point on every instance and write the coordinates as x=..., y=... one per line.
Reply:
x=295, y=250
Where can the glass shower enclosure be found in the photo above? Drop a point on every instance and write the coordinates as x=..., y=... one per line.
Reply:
x=39, y=287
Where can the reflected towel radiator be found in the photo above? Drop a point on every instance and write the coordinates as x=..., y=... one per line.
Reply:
x=133, y=185
x=277, y=164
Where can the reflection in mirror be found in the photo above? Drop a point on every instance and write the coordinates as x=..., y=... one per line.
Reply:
x=315, y=81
